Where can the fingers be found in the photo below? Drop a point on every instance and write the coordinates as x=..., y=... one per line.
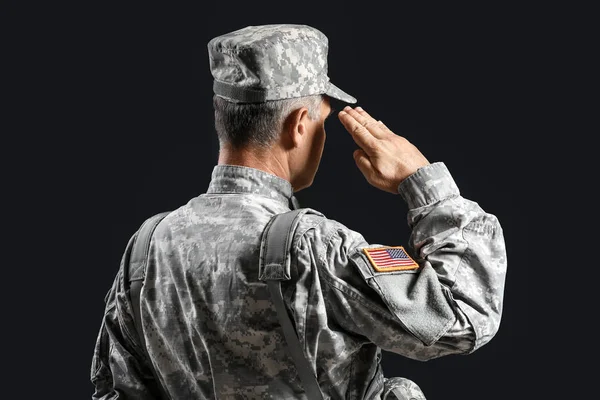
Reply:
x=362, y=162
x=365, y=120
x=371, y=123
x=384, y=127
x=362, y=135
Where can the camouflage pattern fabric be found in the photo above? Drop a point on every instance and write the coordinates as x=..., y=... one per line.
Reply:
x=402, y=389
x=271, y=62
x=212, y=330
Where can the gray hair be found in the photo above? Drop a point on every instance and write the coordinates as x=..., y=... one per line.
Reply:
x=258, y=124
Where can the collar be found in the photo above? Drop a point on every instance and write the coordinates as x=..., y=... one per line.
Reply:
x=241, y=179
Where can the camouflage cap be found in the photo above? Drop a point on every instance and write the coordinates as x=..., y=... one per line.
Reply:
x=271, y=62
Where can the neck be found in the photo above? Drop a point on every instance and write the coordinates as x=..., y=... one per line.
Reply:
x=265, y=160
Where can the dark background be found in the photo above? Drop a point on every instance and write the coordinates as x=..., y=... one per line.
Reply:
x=125, y=100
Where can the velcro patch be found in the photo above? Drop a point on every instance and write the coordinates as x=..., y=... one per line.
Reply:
x=390, y=258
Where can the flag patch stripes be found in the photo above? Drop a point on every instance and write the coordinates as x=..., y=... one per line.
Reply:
x=390, y=258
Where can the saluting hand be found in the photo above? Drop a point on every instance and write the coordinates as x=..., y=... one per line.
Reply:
x=384, y=158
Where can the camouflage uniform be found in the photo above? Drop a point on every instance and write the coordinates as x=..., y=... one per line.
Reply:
x=212, y=331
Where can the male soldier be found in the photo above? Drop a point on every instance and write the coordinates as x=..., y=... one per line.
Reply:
x=209, y=323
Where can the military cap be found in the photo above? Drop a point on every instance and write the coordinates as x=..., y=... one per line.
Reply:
x=271, y=62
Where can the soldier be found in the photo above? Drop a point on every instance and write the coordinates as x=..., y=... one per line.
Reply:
x=210, y=327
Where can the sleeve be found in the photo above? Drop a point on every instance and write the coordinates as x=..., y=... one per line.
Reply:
x=118, y=370
x=449, y=303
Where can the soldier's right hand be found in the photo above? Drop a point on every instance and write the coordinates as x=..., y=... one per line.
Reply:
x=384, y=158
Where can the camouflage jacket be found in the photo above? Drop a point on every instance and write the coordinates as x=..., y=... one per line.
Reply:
x=212, y=331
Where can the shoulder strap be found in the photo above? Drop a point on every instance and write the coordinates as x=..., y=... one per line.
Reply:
x=275, y=267
x=137, y=269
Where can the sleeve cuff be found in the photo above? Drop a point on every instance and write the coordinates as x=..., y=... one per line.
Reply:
x=428, y=185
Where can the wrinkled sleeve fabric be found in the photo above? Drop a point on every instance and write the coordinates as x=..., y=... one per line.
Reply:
x=118, y=370
x=450, y=304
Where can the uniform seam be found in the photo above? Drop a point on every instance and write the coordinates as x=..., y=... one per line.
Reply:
x=303, y=233
x=461, y=265
x=483, y=225
x=235, y=51
x=249, y=194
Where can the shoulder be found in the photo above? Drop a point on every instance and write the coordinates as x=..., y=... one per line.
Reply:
x=316, y=230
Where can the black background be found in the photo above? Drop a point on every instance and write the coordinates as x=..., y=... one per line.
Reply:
x=125, y=96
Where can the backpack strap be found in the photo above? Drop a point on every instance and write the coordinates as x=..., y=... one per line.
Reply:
x=273, y=268
x=136, y=274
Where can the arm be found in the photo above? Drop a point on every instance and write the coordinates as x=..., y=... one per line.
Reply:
x=452, y=302
x=462, y=243
x=118, y=370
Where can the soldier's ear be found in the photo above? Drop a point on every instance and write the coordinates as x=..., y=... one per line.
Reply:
x=296, y=126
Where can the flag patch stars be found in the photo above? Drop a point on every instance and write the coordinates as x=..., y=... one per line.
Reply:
x=390, y=258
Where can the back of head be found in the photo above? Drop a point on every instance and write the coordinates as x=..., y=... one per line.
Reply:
x=261, y=74
x=257, y=124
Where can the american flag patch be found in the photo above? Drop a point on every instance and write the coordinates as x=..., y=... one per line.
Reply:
x=386, y=259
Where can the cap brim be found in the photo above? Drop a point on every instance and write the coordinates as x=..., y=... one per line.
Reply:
x=337, y=93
